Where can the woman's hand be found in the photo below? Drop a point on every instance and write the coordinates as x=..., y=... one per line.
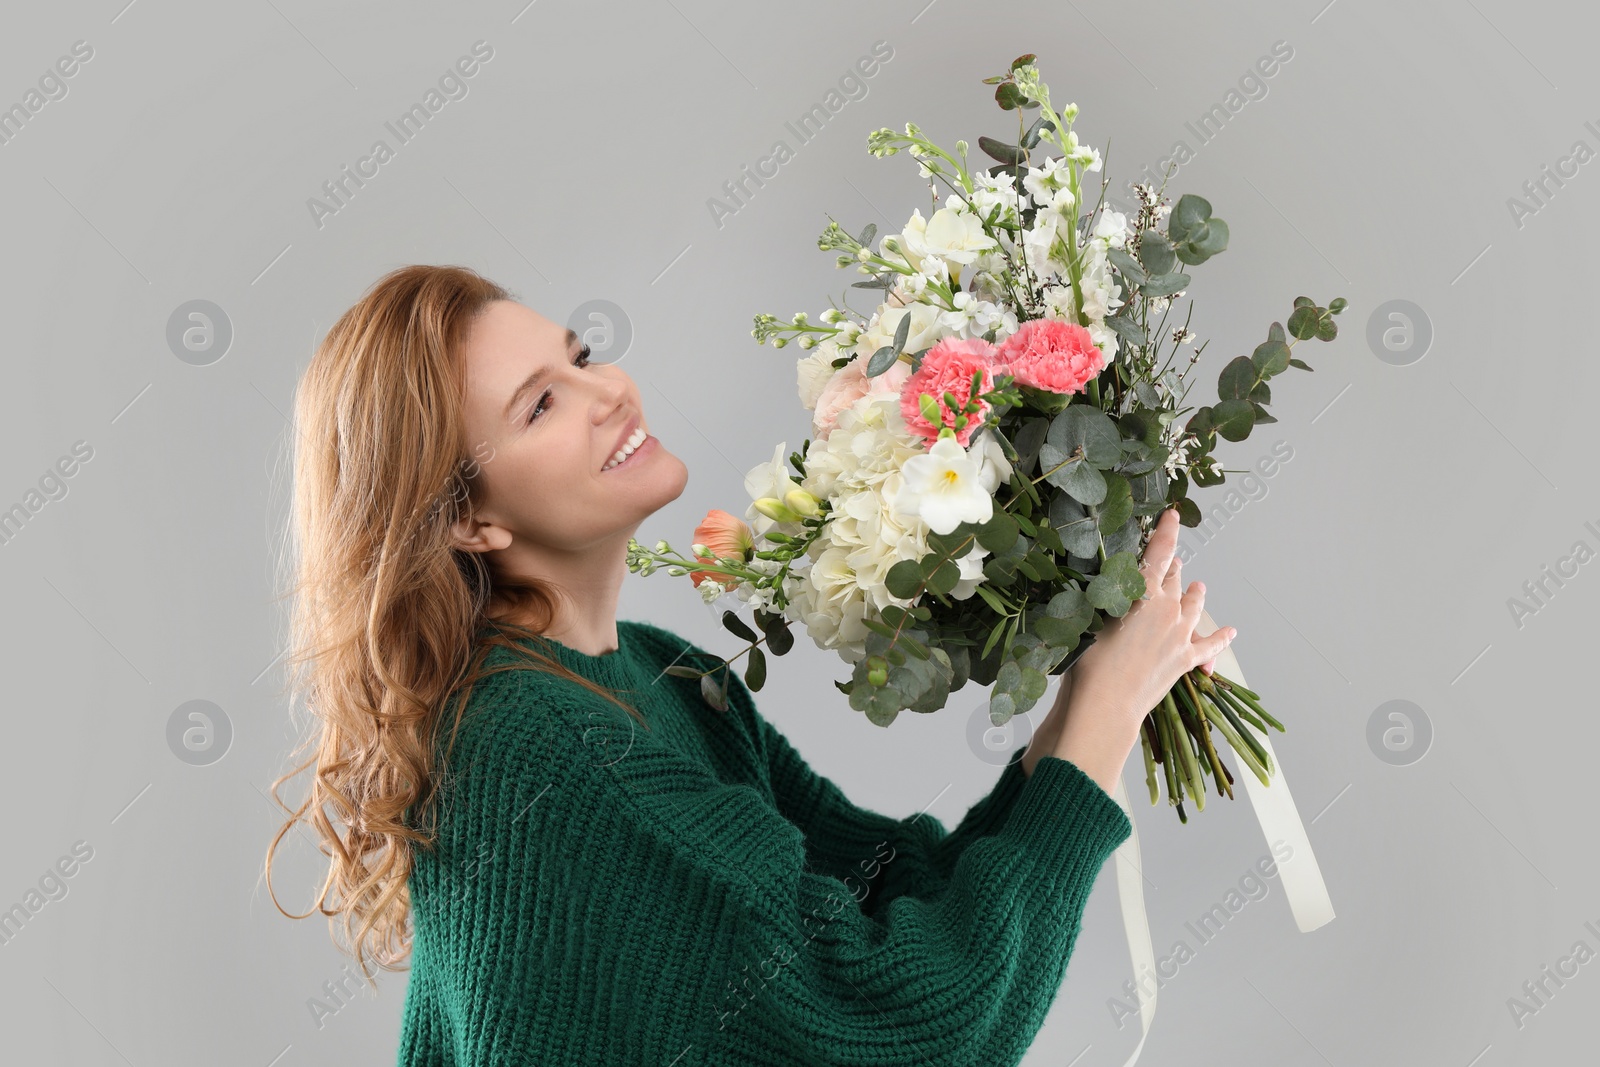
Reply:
x=1134, y=661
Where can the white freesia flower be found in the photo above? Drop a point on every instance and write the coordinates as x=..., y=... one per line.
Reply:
x=769, y=479
x=956, y=236
x=994, y=469
x=925, y=328
x=814, y=371
x=913, y=245
x=944, y=488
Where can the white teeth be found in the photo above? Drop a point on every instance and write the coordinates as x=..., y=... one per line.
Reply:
x=635, y=439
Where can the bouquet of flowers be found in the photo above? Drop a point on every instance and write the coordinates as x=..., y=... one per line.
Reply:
x=992, y=445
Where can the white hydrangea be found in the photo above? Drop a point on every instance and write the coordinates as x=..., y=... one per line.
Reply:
x=858, y=468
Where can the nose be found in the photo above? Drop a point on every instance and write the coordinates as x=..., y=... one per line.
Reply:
x=612, y=394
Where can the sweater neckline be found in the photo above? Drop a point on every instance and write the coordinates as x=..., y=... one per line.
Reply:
x=615, y=669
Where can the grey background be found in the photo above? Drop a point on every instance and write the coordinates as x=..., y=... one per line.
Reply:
x=1376, y=565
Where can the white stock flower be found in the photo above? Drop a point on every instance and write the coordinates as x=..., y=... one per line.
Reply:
x=1113, y=226
x=972, y=317
x=991, y=189
x=1042, y=183
x=764, y=597
x=944, y=488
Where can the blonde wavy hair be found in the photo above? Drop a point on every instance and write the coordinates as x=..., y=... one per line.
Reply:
x=386, y=612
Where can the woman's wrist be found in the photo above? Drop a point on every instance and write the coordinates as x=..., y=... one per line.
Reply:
x=1097, y=737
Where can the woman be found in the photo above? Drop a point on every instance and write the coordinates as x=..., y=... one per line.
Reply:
x=589, y=864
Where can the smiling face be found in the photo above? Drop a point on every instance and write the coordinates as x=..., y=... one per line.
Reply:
x=545, y=424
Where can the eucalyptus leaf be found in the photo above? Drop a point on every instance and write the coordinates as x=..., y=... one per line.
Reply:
x=904, y=579
x=1237, y=379
x=883, y=358
x=1155, y=253
x=1028, y=440
x=1188, y=214
x=1271, y=357
x=1234, y=418
x=737, y=626
x=944, y=577
x=999, y=533
x=1118, y=584
x=1166, y=285
x=712, y=692
x=1005, y=153
x=1127, y=329
x=755, y=672
x=1084, y=426
x=901, y=332
x=1130, y=267
x=1117, y=505
x=1075, y=526
x=1303, y=322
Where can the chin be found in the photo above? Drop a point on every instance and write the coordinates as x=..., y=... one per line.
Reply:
x=667, y=477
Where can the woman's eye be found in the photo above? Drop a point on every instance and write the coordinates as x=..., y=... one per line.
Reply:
x=580, y=360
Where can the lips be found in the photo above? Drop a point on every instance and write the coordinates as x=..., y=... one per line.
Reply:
x=627, y=432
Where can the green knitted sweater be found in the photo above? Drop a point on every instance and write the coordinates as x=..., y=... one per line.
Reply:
x=694, y=894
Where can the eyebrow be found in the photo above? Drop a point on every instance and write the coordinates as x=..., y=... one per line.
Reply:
x=533, y=379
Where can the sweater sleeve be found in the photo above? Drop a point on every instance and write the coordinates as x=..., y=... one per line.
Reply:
x=963, y=976
x=886, y=856
x=878, y=857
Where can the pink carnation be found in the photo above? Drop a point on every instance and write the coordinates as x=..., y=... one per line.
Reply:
x=948, y=367
x=1051, y=354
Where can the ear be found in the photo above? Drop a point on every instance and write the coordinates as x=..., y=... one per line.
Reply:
x=476, y=535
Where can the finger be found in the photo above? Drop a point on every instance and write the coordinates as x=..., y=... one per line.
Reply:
x=1163, y=543
x=1173, y=583
x=1208, y=648
x=1192, y=604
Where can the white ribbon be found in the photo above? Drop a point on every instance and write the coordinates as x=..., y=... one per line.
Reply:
x=1280, y=821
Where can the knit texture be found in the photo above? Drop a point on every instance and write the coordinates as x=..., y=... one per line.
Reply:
x=694, y=894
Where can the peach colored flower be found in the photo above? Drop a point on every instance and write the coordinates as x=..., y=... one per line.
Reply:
x=948, y=367
x=726, y=536
x=1051, y=354
x=849, y=384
